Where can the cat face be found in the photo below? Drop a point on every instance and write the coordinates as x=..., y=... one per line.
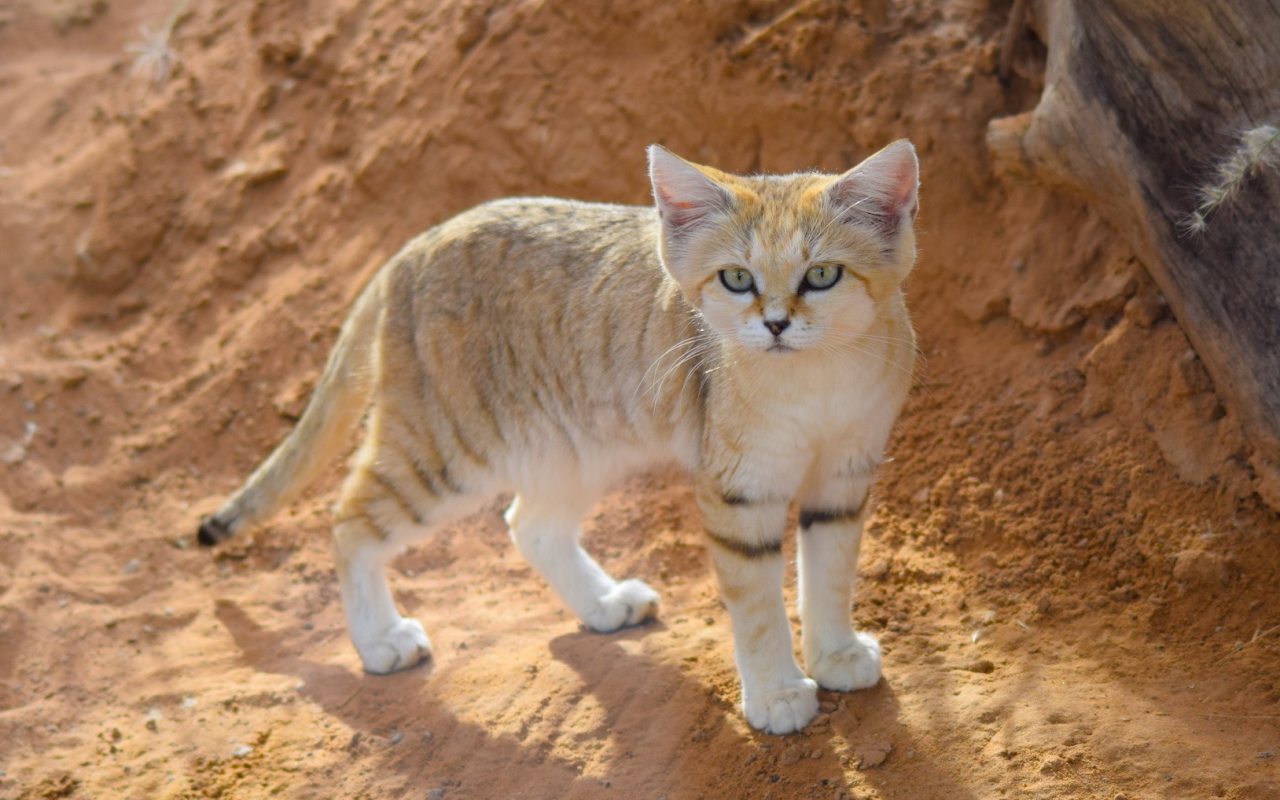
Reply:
x=784, y=264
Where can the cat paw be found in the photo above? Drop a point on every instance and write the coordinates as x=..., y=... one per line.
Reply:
x=629, y=603
x=854, y=666
x=782, y=710
x=403, y=645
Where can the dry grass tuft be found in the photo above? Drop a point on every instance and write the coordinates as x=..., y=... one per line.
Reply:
x=153, y=54
x=1256, y=153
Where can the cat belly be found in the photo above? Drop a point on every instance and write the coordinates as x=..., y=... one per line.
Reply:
x=592, y=467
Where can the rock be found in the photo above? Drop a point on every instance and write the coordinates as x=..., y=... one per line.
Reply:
x=13, y=454
x=1268, y=480
x=1201, y=568
x=266, y=164
x=790, y=756
x=1145, y=310
x=872, y=754
x=982, y=665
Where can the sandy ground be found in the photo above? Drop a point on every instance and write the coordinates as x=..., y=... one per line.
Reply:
x=1071, y=570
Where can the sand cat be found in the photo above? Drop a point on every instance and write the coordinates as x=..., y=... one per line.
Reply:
x=751, y=328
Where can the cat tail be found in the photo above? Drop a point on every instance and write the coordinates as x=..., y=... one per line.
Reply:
x=335, y=408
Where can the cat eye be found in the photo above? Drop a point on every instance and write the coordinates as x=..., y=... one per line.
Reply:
x=737, y=279
x=822, y=276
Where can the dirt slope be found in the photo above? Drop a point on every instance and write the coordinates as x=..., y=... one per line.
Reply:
x=1071, y=570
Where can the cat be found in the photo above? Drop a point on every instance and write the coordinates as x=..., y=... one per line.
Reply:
x=752, y=329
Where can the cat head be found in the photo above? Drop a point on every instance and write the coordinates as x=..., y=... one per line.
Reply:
x=782, y=263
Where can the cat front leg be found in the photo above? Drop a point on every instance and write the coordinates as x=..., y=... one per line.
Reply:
x=744, y=536
x=833, y=511
x=546, y=531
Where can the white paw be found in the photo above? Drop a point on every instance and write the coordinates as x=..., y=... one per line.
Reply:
x=629, y=603
x=782, y=710
x=853, y=666
x=400, y=646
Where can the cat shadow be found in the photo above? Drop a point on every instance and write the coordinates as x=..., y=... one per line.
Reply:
x=652, y=705
x=660, y=725
x=398, y=721
x=330, y=686
x=868, y=719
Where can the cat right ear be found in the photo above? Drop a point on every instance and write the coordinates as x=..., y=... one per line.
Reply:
x=684, y=194
x=882, y=190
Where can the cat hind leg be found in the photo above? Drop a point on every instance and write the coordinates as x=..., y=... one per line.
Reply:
x=389, y=500
x=386, y=641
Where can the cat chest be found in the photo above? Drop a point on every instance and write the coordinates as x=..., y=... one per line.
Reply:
x=768, y=450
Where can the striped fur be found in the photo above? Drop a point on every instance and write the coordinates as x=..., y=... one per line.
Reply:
x=547, y=348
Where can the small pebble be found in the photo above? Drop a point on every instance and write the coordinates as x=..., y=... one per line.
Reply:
x=397, y=737
x=241, y=750
x=133, y=566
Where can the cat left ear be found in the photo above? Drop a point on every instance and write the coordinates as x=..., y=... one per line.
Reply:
x=882, y=190
x=684, y=194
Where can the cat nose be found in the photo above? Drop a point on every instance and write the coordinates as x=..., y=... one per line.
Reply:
x=777, y=326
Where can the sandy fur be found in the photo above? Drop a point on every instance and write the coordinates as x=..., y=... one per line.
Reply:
x=547, y=348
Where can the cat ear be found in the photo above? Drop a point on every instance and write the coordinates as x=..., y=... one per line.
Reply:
x=882, y=190
x=684, y=194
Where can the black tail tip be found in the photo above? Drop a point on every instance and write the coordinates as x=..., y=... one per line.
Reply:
x=212, y=530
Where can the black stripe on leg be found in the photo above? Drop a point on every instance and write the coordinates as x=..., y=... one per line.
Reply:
x=746, y=549
x=825, y=516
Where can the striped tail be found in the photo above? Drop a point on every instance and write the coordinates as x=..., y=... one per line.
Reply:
x=332, y=414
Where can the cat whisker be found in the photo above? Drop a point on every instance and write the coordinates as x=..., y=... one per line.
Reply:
x=694, y=339
x=701, y=349
x=838, y=347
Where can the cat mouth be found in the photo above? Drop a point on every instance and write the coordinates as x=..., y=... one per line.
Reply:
x=779, y=347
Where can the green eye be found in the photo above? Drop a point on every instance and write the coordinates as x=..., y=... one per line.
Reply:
x=737, y=279
x=823, y=276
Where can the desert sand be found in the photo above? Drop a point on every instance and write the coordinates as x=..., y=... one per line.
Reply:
x=1072, y=566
